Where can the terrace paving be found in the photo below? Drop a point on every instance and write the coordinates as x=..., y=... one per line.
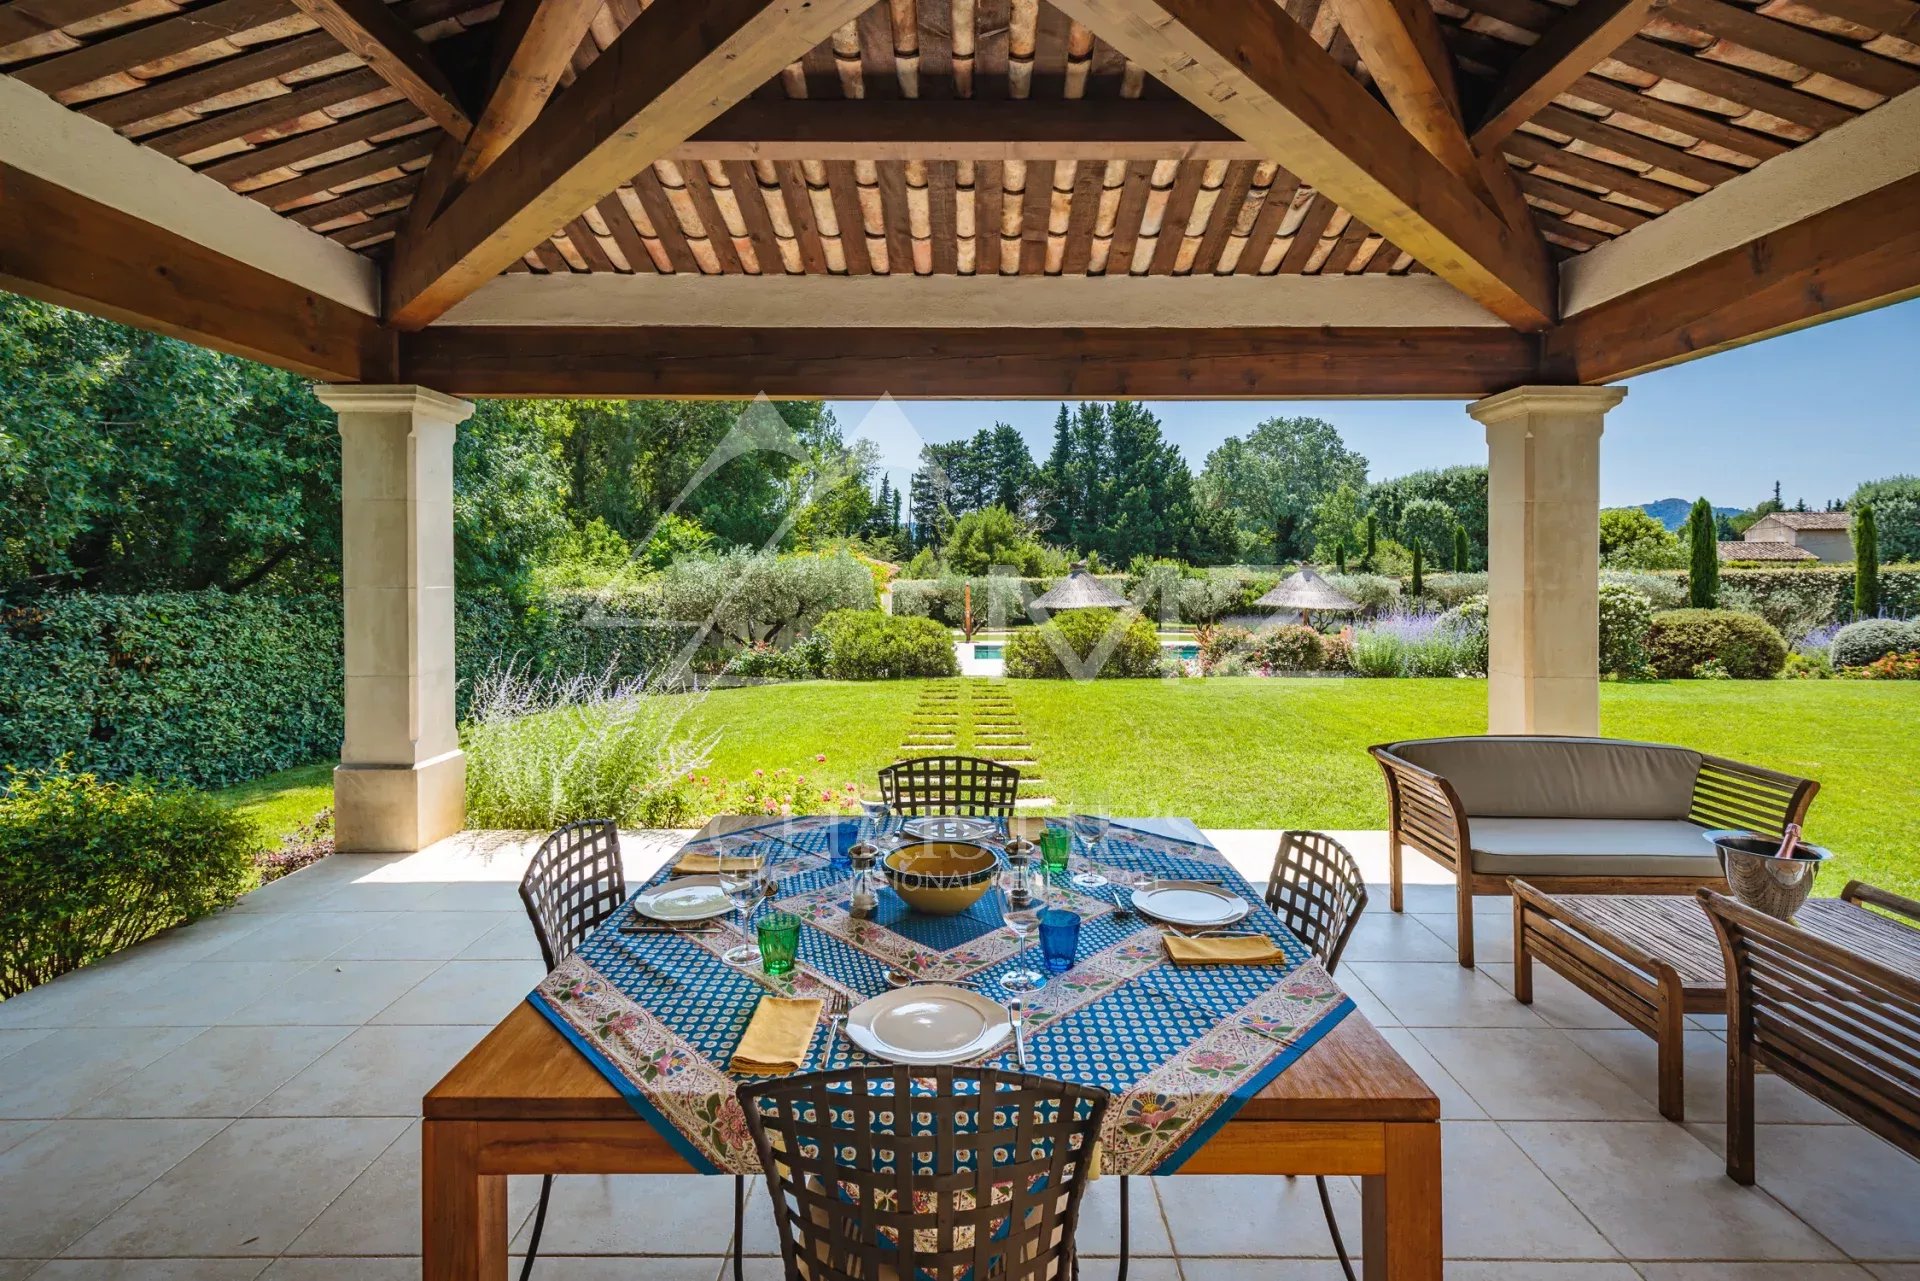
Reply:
x=239, y=1099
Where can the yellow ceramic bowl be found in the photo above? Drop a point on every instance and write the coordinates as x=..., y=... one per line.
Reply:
x=940, y=878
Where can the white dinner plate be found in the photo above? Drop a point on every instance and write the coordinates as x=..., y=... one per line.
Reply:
x=1190, y=903
x=949, y=827
x=928, y=1023
x=685, y=898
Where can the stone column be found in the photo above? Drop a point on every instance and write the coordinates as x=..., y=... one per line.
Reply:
x=401, y=782
x=1543, y=555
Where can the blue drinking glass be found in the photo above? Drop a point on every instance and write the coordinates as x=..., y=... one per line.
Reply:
x=1059, y=938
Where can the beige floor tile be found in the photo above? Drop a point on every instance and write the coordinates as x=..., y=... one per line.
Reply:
x=1107, y=1269
x=56, y=1184
x=248, y=1191
x=13, y=1132
x=1238, y=1270
x=193, y=941
x=466, y=992
x=1895, y=1271
x=1381, y=935
x=375, y=1071
x=71, y=999
x=61, y=1071
x=1500, y=1206
x=1860, y=1192
x=199, y=994
x=1533, y=1074
x=1556, y=1000
x=1252, y=1215
x=18, y=1269
x=1632, y=1056
x=1492, y=928
x=19, y=1038
x=302, y=890
x=379, y=1213
x=1534, y=1270
x=511, y=940
x=363, y=1270
x=379, y=893
x=1659, y=1193
x=480, y=896
x=337, y=992
x=1455, y=1103
x=1754, y=1272
x=1442, y=995
x=296, y=936
x=1100, y=1219
x=1372, y=1007
x=673, y=1214
x=223, y=1071
x=151, y=1270
x=434, y=936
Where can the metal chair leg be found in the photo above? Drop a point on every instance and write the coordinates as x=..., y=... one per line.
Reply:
x=739, y=1227
x=1125, y=1198
x=1333, y=1226
x=539, y=1224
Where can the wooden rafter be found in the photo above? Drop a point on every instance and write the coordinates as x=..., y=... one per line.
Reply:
x=1856, y=256
x=535, y=43
x=1571, y=48
x=398, y=56
x=1257, y=71
x=672, y=71
x=1246, y=363
x=64, y=248
x=988, y=129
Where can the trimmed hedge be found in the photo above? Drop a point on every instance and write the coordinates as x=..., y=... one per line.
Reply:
x=1681, y=641
x=866, y=645
x=1870, y=640
x=88, y=867
x=1086, y=633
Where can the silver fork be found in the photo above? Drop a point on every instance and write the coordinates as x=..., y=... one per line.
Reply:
x=836, y=1011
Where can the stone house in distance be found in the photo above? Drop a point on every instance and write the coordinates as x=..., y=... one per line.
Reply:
x=1812, y=537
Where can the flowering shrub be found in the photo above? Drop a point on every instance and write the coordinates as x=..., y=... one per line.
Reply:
x=308, y=843
x=1415, y=645
x=781, y=792
x=1858, y=644
x=1336, y=652
x=803, y=660
x=1218, y=642
x=1626, y=617
x=1291, y=648
x=1890, y=667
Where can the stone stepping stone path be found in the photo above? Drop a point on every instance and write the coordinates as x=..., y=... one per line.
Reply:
x=975, y=716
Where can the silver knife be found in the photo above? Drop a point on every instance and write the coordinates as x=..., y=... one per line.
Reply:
x=1018, y=1011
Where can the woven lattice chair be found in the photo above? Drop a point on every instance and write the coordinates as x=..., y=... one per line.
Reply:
x=978, y=1175
x=950, y=785
x=1316, y=889
x=574, y=883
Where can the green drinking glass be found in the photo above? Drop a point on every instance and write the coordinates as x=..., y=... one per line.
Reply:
x=1056, y=844
x=779, y=942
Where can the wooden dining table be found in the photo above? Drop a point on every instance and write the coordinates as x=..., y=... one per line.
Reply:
x=524, y=1101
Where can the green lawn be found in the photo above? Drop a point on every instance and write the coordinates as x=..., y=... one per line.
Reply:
x=282, y=802
x=1277, y=753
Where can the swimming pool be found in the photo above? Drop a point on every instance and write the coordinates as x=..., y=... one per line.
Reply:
x=1185, y=652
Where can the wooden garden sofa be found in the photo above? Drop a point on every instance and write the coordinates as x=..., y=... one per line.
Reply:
x=1573, y=815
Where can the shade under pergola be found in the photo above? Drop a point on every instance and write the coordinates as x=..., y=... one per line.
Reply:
x=1307, y=592
x=1079, y=590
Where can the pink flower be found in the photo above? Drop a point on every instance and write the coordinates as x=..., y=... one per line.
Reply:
x=786, y=808
x=759, y=773
x=820, y=759
x=826, y=796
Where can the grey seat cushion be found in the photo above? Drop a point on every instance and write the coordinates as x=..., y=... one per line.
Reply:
x=1526, y=847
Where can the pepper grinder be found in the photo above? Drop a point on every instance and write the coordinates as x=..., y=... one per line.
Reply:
x=861, y=854
x=1020, y=862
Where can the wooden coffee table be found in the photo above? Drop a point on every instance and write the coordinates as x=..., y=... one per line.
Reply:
x=1655, y=958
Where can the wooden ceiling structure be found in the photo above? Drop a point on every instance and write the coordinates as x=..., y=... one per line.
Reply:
x=1218, y=198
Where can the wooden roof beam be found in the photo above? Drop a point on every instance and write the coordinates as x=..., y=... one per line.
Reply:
x=979, y=129
x=1569, y=49
x=390, y=48
x=1258, y=72
x=537, y=40
x=672, y=71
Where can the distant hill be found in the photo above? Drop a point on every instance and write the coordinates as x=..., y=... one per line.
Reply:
x=1672, y=512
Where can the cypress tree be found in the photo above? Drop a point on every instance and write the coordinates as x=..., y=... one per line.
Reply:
x=1340, y=557
x=1419, y=585
x=1373, y=540
x=1866, y=563
x=1703, y=577
x=1459, y=549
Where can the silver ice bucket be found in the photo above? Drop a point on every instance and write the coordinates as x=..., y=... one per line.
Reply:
x=1776, y=886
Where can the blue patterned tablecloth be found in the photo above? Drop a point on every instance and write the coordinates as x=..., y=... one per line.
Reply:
x=1181, y=1049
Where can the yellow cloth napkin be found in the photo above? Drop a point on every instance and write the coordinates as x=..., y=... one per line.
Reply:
x=1244, y=950
x=701, y=863
x=777, y=1036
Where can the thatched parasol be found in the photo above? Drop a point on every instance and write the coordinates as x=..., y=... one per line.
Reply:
x=1308, y=593
x=1079, y=590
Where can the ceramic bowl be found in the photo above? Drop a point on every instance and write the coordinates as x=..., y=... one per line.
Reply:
x=940, y=878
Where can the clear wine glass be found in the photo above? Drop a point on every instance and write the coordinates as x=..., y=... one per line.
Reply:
x=1092, y=829
x=1022, y=895
x=745, y=888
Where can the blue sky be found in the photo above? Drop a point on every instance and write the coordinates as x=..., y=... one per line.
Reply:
x=1820, y=410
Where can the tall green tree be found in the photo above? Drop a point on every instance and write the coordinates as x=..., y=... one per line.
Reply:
x=1429, y=523
x=1274, y=479
x=1462, y=490
x=1896, y=514
x=1009, y=467
x=1460, y=549
x=1703, y=564
x=1866, y=563
x=1418, y=585
x=1370, y=546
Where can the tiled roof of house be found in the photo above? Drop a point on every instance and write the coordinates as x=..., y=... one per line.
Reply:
x=1763, y=551
x=1810, y=520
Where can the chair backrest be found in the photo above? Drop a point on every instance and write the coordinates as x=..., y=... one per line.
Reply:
x=925, y=1174
x=1316, y=888
x=950, y=785
x=574, y=883
x=1838, y=1024
x=1528, y=776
